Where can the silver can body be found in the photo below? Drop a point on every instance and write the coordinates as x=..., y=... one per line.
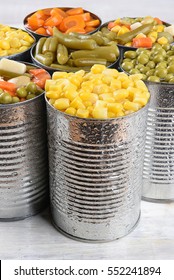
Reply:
x=95, y=169
x=23, y=159
x=158, y=173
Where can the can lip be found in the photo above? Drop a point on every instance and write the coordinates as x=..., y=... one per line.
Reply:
x=97, y=120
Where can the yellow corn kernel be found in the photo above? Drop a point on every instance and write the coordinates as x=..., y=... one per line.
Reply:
x=62, y=103
x=132, y=91
x=101, y=103
x=110, y=72
x=81, y=73
x=48, y=83
x=123, y=30
x=128, y=112
x=15, y=43
x=24, y=43
x=111, y=115
x=90, y=109
x=101, y=88
x=87, y=103
x=116, y=28
x=140, y=85
x=77, y=103
x=115, y=84
x=162, y=41
x=107, y=79
x=129, y=44
x=23, y=48
x=118, y=20
x=140, y=98
x=5, y=45
x=84, y=95
x=52, y=101
x=120, y=114
x=108, y=97
x=140, y=35
x=159, y=28
x=71, y=95
x=127, y=83
x=70, y=111
x=28, y=38
x=114, y=107
x=136, y=77
x=96, y=68
x=52, y=94
x=122, y=77
x=131, y=106
x=59, y=75
x=3, y=52
x=120, y=94
x=82, y=113
x=153, y=34
x=100, y=112
x=87, y=86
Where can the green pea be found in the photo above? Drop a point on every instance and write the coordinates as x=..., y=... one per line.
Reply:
x=171, y=81
x=162, y=64
x=156, y=46
x=158, y=58
x=139, y=51
x=170, y=53
x=134, y=71
x=15, y=99
x=161, y=72
x=170, y=69
x=166, y=47
x=130, y=54
x=143, y=59
x=168, y=77
x=5, y=98
x=127, y=66
x=151, y=64
x=138, y=66
x=150, y=72
x=31, y=87
x=30, y=96
x=153, y=79
x=21, y=92
x=144, y=69
x=170, y=58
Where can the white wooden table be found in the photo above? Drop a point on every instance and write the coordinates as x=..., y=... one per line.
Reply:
x=36, y=238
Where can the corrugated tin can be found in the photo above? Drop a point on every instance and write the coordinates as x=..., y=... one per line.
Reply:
x=23, y=159
x=158, y=174
x=95, y=169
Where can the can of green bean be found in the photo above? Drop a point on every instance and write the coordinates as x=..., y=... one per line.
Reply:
x=95, y=169
x=23, y=159
x=158, y=174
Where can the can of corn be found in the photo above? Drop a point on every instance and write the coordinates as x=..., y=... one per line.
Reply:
x=95, y=169
x=23, y=159
x=158, y=174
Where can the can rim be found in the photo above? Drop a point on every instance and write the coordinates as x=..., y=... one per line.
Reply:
x=97, y=120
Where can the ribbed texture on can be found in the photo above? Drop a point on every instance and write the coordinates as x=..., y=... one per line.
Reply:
x=158, y=173
x=23, y=159
x=95, y=174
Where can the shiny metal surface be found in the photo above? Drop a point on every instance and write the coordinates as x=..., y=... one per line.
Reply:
x=95, y=174
x=23, y=159
x=158, y=174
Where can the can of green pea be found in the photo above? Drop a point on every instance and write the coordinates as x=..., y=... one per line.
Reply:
x=95, y=170
x=158, y=174
x=23, y=159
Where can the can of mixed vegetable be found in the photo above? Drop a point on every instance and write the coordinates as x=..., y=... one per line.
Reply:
x=158, y=175
x=95, y=174
x=23, y=149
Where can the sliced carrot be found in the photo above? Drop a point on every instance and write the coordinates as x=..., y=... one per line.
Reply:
x=10, y=87
x=39, y=76
x=72, y=21
x=49, y=30
x=53, y=20
x=41, y=31
x=35, y=22
x=22, y=99
x=93, y=23
x=47, y=11
x=111, y=24
x=11, y=93
x=86, y=16
x=158, y=20
x=75, y=11
x=59, y=11
x=37, y=71
x=40, y=14
x=76, y=29
x=144, y=42
x=89, y=29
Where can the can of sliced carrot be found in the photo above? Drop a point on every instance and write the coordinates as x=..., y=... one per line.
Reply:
x=23, y=152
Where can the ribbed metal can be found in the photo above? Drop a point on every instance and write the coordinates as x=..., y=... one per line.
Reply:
x=158, y=173
x=23, y=159
x=95, y=169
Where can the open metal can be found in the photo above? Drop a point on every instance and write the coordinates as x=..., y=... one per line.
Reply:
x=95, y=169
x=23, y=159
x=158, y=174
